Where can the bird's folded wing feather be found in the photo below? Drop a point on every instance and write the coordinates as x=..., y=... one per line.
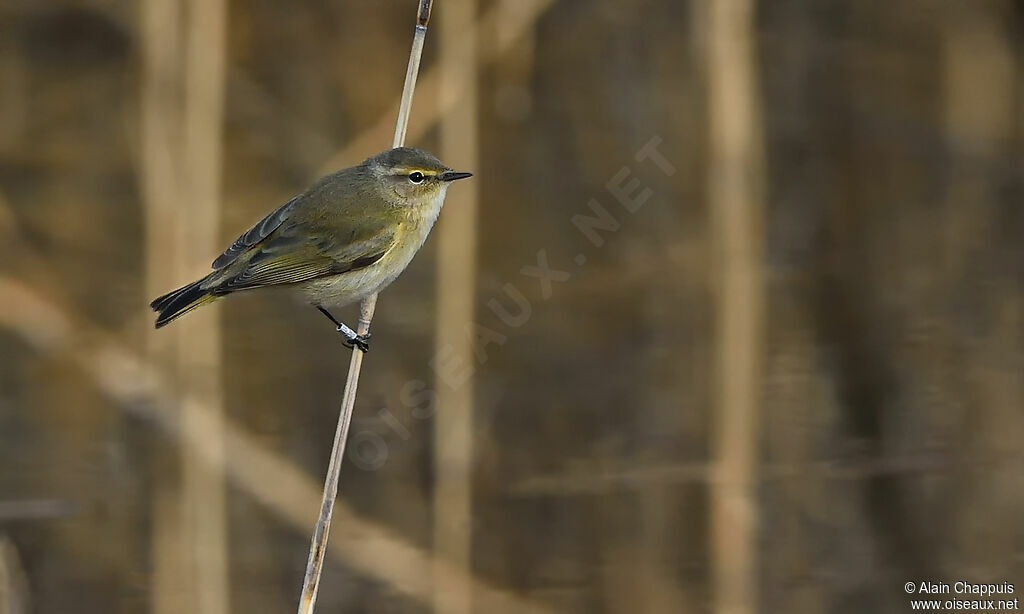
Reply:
x=255, y=234
x=315, y=247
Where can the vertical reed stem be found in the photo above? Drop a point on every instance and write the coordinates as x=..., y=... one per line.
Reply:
x=735, y=193
x=318, y=547
x=456, y=280
x=203, y=503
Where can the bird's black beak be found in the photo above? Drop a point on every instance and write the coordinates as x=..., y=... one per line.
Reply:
x=453, y=175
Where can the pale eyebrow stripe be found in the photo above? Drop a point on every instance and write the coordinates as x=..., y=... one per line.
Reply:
x=405, y=170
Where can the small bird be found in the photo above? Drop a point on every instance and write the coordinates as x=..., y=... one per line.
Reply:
x=347, y=237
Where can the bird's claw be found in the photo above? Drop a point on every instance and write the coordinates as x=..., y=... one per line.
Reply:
x=357, y=341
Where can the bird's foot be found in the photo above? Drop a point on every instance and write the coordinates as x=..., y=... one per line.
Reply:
x=359, y=341
x=354, y=340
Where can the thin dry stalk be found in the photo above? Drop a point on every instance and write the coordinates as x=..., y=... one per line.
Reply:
x=318, y=546
x=735, y=191
x=203, y=503
x=162, y=24
x=14, y=593
x=456, y=275
x=182, y=119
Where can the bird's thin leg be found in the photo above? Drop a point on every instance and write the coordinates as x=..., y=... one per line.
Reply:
x=352, y=339
x=330, y=317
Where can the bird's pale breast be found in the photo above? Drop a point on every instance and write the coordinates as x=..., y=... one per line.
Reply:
x=353, y=286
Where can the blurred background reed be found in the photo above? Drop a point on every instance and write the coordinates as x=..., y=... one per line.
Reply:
x=731, y=318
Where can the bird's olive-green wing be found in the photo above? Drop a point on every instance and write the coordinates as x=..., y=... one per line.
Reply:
x=255, y=234
x=305, y=247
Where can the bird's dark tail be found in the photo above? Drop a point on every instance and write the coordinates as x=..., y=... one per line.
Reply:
x=181, y=301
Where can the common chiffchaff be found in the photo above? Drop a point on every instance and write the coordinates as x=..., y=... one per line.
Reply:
x=348, y=236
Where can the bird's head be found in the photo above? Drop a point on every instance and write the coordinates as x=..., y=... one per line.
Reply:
x=414, y=175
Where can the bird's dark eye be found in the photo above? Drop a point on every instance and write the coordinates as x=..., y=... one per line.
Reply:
x=416, y=177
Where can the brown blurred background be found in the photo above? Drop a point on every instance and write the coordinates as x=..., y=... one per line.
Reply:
x=790, y=381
